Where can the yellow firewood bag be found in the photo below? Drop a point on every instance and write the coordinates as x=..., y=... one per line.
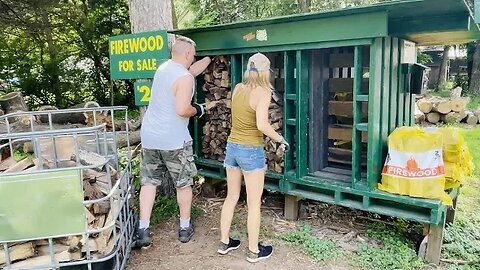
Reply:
x=414, y=165
x=457, y=157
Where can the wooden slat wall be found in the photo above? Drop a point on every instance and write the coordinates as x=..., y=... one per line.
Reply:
x=345, y=108
x=343, y=133
x=336, y=85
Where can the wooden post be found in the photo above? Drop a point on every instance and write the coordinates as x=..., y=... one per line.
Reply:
x=451, y=212
x=434, y=244
x=291, y=207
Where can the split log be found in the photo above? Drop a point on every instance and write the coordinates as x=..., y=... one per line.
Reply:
x=45, y=249
x=456, y=92
x=13, y=102
x=20, y=166
x=442, y=106
x=64, y=256
x=88, y=158
x=18, y=252
x=425, y=105
x=134, y=138
x=471, y=119
x=433, y=117
x=459, y=104
x=7, y=163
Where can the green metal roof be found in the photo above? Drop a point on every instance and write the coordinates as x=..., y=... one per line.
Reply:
x=426, y=22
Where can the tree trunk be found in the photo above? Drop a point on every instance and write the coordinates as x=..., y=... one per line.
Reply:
x=304, y=5
x=475, y=78
x=442, y=73
x=153, y=15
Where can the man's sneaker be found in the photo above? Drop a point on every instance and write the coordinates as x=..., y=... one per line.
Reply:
x=185, y=234
x=264, y=252
x=142, y=238
x=225, y=248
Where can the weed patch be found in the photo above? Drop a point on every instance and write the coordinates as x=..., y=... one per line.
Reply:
x=395, y=251
x=319, y=250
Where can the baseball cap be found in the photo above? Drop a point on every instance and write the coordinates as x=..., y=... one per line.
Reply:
x=258, y=62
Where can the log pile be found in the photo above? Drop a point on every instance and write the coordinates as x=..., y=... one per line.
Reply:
x=218, y=109
x=217, y=90
x=275, y=152
x=96, y=185
x=436, y=110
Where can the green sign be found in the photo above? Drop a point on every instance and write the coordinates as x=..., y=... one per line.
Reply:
x=143, y=90
x=137, y=56
x=41, y=205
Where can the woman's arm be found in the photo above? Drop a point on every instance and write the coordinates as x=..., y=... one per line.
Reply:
x=261, y=110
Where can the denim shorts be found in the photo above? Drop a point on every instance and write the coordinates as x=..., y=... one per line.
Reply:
x=245, y=157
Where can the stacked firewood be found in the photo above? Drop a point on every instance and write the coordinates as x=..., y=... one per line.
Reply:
x=97, y=184
x=218, y=109
x=445, y=110
x=274, y=152
x=217, y=91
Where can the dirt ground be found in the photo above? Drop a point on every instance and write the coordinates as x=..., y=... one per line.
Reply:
x=200, y=253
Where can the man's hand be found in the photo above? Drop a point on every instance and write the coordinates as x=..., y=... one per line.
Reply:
x=200, y=109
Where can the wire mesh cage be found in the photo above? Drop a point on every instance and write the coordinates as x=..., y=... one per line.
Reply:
x=65, y=190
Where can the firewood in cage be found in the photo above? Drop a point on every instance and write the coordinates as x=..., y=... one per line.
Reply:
x=21, y=165
x=64, y=256
x=18, y=252
x=45, y=249
x=7, y=163
x=88, y=158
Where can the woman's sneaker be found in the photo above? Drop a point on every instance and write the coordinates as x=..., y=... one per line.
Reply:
x=264, y=252
x=225, y=248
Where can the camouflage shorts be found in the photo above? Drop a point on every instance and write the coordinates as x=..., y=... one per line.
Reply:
x=158, y=165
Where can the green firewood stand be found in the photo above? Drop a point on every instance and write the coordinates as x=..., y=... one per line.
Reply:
x=354, y=64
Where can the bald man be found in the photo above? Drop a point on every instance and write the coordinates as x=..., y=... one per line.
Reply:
x=166, y=142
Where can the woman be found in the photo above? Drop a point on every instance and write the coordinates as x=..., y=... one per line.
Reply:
x=245, y=154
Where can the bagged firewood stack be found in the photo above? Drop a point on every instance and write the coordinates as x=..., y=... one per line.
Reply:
x=96, y=185
x=217, y=91
x=435, y=110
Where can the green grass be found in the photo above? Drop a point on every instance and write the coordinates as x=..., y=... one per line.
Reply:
x=462, y=239
x=474, y=103
x=319, y=250
x=396, y=249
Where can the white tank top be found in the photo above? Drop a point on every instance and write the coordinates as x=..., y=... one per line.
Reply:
x=162, y=128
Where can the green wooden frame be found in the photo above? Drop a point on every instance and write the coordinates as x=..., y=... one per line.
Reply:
x=389, y=104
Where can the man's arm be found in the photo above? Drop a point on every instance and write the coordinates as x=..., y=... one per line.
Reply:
x=198, y=67
x=183, y=96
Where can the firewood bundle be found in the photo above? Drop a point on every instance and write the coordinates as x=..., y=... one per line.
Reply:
x=436, y=110
x=96, y=185
x=218, y=110
x=216, y=130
